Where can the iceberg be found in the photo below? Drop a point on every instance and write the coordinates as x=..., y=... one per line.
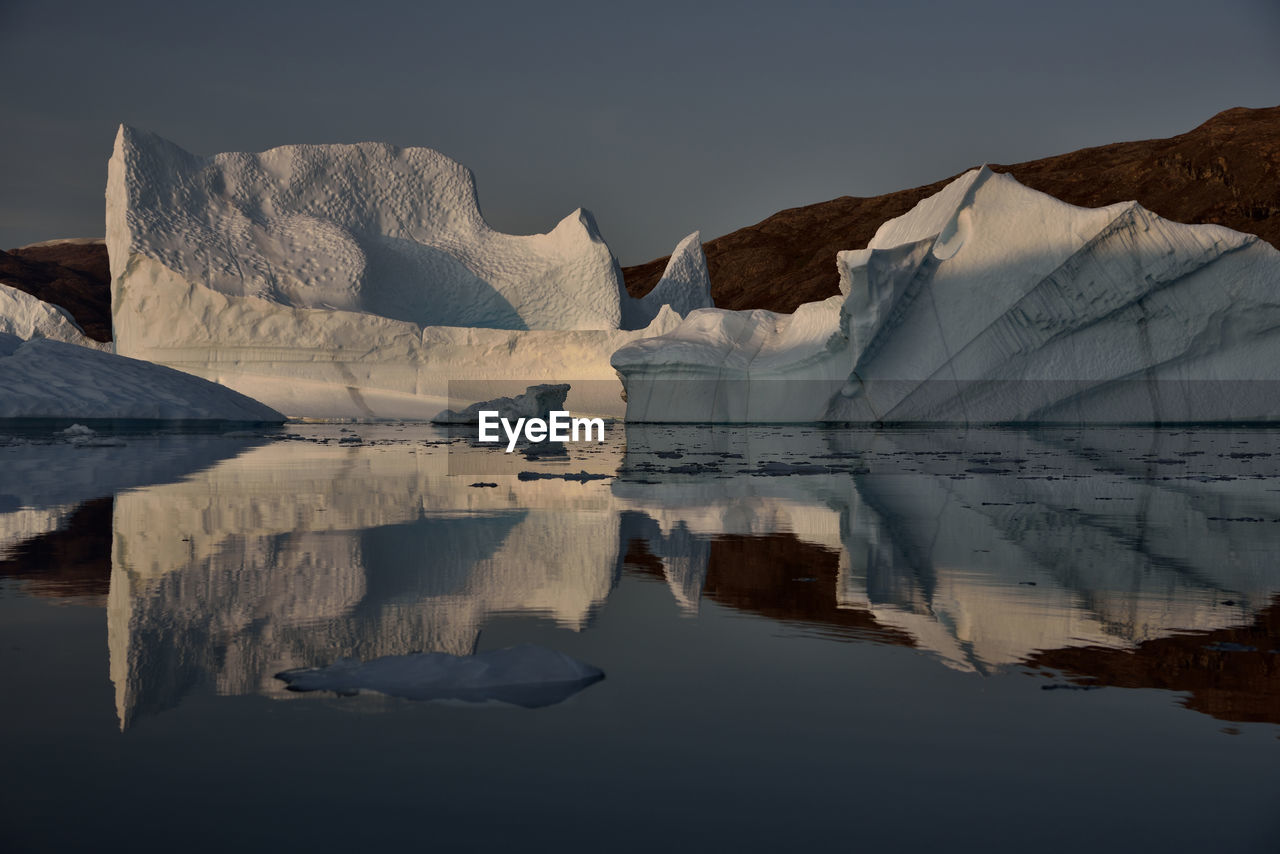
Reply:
x=990, y=302
x=524, y=675
x=685, y=284
x=358, y=280
x=46, y=378
x=26, y=316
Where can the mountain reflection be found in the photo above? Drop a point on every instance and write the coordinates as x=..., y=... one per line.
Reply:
x=57, y=505
x=1138, y=558
x=1230, y=673
x=69, y=557
x=778, y=576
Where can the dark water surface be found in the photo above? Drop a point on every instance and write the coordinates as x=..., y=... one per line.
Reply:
x=901, y=640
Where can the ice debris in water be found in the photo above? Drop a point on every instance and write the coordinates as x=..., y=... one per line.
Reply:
x=524, y=675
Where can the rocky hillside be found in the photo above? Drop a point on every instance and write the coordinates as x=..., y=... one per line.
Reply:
x=69, y=273
x=1226, y=171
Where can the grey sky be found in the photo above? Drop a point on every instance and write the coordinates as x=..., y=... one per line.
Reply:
x=658, y=118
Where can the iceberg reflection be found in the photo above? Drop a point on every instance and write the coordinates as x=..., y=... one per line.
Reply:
x=57, y=494
x=1076, y=551
x=302, y=553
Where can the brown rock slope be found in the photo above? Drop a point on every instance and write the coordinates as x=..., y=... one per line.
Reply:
x=88, y=256
x=1226, y=171
x=71, y=274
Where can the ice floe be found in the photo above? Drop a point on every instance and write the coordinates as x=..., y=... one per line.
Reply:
x=524, y=675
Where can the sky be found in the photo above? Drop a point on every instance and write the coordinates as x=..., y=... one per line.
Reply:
x=659, y=117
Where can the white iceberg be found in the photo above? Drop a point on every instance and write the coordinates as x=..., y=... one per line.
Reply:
x=523, y=675
x=685, y=285
x=26, y=317
x=358, y=280
x=44, y=378
x=992, y=302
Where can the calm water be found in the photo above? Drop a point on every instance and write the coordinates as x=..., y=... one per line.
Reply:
x=828, y=639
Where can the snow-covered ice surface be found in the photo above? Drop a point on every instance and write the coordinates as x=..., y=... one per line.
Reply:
x=524, y=675
x=46, y=378
x=992, y=302
x=357, y=280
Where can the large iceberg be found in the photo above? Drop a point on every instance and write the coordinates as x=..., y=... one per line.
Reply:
x=358, y=280
x=992, y=302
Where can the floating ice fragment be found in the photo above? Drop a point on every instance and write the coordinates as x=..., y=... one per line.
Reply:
x=524, y=675
x=538, y=401
x=581, y=477
x=1229, y=646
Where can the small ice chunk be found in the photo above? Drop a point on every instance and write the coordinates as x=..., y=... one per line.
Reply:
x=524, y=675
x=538, y=401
